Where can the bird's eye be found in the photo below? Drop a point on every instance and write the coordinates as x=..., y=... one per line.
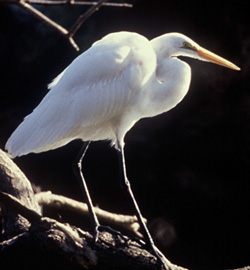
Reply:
x=187, y=45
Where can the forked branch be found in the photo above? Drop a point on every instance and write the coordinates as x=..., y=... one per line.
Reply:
x=27, y=5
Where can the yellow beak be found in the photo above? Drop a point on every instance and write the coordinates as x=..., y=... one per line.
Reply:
x=216, y=59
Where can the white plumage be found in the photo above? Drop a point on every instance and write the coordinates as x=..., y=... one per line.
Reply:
x=107, y=89
x=104, y=92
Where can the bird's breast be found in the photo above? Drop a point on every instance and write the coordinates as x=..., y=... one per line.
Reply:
x=167, y=87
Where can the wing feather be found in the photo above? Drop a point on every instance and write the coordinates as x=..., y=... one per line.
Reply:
x=96, y=87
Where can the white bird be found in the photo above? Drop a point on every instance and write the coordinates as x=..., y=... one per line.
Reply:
x=100, y=96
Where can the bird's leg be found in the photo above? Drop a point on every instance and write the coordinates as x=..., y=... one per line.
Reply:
x=125, y=184
x=77, y=166
x=78, y=172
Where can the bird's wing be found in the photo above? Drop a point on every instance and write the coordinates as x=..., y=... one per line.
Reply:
x=98, y=86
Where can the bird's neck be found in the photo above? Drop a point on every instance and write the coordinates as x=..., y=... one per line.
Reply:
x=168, y=86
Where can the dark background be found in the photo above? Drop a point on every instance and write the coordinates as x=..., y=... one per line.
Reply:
x=189, y=168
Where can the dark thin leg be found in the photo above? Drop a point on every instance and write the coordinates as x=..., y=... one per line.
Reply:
x=77, y=166
x=126, y=187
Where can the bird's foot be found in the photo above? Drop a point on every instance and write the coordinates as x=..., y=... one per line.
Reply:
x=148, y=246
x=96, y=233
x=166, y=264
x=99, y=228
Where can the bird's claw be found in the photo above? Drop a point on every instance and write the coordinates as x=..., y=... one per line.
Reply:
x=96, y=233
x=100, y=228
x=160, y=257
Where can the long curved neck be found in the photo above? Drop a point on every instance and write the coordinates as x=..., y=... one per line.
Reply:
x=168, y=85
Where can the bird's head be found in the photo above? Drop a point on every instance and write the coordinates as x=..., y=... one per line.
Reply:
x=175, y=44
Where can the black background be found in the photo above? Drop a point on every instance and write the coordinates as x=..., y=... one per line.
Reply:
x=189, y=168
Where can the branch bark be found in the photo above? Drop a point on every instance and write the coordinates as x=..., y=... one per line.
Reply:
x=42, y=239
x=120, y=222
x=48, y=240
x=41, y=242
x=76, y=3
x=15, y=183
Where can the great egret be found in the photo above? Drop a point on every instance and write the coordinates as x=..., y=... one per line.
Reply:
x=122, y=78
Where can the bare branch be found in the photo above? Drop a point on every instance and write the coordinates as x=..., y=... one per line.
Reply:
x=52, y=244
x=41, y=16
x=84, y=17
x=26, y=4
x=129, y=223
x=126, y=222
x=76, y=3
x=12, y=202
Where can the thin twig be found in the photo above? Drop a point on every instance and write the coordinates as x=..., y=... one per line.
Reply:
x=47, y=20
x=84, y=17
x=41, y=16
x=76, y=3
x=68, y=34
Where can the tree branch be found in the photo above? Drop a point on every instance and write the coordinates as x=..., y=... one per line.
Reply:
x=76, y=3
x=46, y=241
x=26, y=4
x=129, y=223
x=14, y=182
x=49, y=242
x=14, y=204
x=82, y=18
